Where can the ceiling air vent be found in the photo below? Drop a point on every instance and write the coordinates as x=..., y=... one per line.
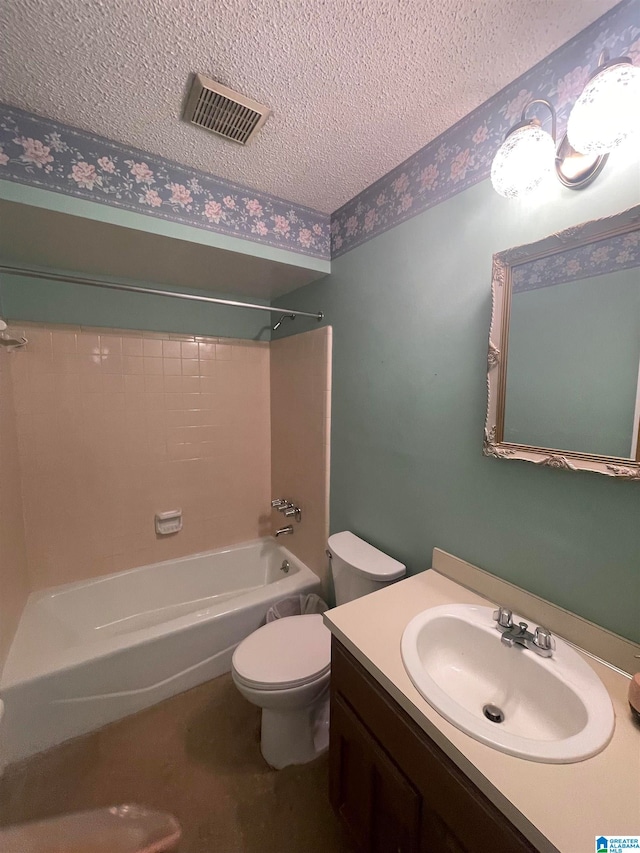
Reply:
x=223, y=111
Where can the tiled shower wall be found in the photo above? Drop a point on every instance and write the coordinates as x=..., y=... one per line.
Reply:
x=300, y=431
x=114, y=426
x=14, y=587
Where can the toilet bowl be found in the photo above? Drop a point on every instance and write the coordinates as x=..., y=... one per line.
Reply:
x=284, y=667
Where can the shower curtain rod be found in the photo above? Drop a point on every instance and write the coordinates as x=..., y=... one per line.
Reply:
x=94, y=282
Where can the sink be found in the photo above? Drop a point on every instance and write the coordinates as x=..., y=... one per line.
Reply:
x=552, y=709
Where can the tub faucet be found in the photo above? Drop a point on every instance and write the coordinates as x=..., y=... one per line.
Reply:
x=541, y=641
x=285, y=531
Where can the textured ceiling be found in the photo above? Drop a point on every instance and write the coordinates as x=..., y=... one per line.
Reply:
x=356, y=86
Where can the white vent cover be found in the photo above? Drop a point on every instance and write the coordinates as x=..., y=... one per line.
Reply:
x=223, y=111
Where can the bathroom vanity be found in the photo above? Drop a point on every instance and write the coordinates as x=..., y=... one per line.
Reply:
x=402, y=778
x=393, y=787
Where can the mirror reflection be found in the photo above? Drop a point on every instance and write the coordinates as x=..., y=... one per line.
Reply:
x=574, y=349
x=564, y=349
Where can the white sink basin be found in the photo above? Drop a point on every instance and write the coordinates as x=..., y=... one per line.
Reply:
x=555, y=709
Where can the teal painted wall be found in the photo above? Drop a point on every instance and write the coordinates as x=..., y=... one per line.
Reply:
x=154, y=225
x=38, y=300
x=44, y=301
x=410, y=312
x=574, y=352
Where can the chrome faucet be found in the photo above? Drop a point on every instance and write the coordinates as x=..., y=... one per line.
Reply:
x=541, y=641
x=287, y=508
x=285, y=531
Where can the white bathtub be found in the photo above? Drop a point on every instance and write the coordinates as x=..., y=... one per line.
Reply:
x=88, y=653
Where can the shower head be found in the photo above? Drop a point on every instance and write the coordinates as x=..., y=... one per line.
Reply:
x=277, y=325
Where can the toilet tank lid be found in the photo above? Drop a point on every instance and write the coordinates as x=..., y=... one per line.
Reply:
x=364, y=558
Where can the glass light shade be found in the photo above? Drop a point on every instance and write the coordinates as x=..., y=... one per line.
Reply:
x=607, y=111
x=523, y=161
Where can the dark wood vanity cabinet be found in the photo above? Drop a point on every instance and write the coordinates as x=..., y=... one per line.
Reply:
x=393, y=787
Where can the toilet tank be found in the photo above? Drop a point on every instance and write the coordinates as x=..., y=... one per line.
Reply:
x=358, y=568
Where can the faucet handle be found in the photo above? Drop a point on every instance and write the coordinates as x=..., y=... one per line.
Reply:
x=543, y=639
x=504, y=617
x=278, y=502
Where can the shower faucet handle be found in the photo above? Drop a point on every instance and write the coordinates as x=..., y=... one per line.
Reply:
x=289, y=509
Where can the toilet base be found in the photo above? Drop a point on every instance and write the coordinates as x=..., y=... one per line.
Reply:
x=295, y=736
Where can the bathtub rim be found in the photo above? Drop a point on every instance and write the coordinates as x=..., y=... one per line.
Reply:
x=18, y=671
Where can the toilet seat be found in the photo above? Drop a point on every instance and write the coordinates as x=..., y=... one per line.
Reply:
x=287, y=653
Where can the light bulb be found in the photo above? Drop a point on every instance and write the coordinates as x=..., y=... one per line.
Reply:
x=523, y=160
x=606, y=112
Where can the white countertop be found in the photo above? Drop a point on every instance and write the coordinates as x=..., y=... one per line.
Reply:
x=558, y=807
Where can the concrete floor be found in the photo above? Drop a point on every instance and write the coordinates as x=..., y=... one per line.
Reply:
x=197, y=755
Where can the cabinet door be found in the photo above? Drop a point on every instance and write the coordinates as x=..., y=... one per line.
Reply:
x=386, y=797
x=437, y=836
x=374, y=799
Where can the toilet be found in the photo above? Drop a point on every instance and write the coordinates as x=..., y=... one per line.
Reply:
x=284, y=667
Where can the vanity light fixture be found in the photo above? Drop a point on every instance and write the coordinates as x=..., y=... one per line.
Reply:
x=604, y=115
x=528, y=155
x=608, y=110
x=525, y=157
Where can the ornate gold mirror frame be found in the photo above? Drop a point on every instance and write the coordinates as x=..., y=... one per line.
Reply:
x=503, y=265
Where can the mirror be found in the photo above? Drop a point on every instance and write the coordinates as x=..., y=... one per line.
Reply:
x=564, y=350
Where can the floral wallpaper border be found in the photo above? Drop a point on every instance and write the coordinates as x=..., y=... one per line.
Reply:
x=53, y=156
x=461, y=157
x=610, y=255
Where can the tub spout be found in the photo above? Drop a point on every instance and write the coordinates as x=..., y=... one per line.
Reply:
x=285, y=531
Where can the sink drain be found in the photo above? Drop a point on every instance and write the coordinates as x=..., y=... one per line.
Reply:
x=493, y=713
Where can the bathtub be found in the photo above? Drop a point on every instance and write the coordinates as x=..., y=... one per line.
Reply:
x=88, y=653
